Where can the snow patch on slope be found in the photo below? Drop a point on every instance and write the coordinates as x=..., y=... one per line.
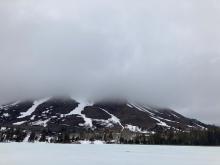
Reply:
x=129, y=105
x=152, y=115
x=175, y=115
x=78, y=111
x=161, y=123
x=105, y=123
x=201, y=127
x=135, y=129
x=113, y=118
x=167, y=120
x=32, y=109
x=19, y=123
x=6, y=114
x=41, y=122
x=27, y=137
x=143, y=109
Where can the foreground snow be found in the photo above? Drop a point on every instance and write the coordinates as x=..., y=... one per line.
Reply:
x=58, y=154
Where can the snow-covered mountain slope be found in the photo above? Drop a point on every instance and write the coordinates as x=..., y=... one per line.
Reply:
x=67, y=113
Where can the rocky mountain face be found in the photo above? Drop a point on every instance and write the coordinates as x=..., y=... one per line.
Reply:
x=67, y=113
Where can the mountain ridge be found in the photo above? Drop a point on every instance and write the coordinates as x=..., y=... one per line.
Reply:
x=59, y=112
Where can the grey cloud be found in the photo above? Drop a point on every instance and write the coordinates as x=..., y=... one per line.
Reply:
x=163, y=52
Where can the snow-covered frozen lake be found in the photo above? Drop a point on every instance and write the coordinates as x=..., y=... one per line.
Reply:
x=73, y=154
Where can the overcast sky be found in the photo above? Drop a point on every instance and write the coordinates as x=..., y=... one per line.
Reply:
x=155, y=51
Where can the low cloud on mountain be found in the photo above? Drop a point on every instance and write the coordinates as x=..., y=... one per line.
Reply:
x=161, y=52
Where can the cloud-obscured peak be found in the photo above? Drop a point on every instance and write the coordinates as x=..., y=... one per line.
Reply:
x=164, y=52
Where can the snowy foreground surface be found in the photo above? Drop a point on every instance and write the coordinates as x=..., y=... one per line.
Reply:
x=73, y=154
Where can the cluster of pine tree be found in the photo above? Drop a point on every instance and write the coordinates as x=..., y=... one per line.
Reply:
x=12, y=134
x=209, y=137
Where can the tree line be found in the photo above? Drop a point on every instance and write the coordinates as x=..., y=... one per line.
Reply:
x=209, y=137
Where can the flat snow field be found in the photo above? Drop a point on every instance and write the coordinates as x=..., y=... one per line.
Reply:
x=93, y=154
